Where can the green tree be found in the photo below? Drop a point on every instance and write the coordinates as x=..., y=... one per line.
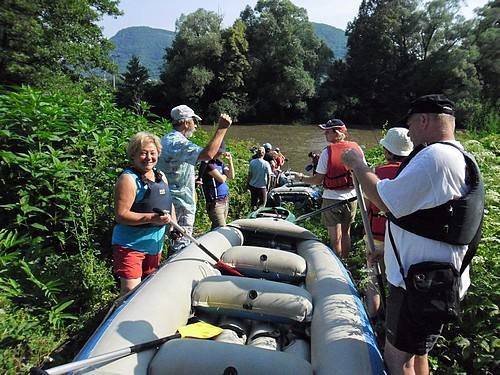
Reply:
x=234, y=66
x=400, y=49
x=47, y=40
x=485, y=36
x=193, y=61
x=285, y=57
x=132, y=90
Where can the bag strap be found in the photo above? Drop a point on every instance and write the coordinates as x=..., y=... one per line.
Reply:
x=396, y=253
x=471, y=251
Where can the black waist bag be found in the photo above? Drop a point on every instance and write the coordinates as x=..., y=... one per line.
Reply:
x=432, y=290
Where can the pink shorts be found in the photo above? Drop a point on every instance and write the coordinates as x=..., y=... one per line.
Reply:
x=133, y=264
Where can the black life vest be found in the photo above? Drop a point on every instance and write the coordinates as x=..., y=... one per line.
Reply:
x=458, y=221
x=157, y=194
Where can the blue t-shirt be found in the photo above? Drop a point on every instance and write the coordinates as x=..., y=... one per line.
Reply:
x=259, y=169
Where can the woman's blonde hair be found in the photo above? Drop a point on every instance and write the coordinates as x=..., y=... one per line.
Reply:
x=140, y=141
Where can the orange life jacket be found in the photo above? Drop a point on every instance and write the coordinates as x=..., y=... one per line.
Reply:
x=377, y=221
x=338, y=176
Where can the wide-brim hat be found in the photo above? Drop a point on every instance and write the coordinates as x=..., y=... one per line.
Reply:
x=397, y=141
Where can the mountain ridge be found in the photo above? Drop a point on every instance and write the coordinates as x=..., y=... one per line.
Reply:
x=149, y=45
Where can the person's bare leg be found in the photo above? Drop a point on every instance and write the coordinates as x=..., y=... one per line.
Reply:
x=372, y=296
x=345, y=240
x=335, y=234
x=126, y=285
x=421, y=365
x=395, y=359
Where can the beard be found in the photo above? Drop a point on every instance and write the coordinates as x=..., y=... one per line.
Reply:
x=189, y=134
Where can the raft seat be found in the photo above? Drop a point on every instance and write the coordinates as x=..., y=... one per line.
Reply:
x=266, y=263
x=194, y=356
x=255, y=299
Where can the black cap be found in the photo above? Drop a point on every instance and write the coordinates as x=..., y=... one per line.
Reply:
x=434, y=103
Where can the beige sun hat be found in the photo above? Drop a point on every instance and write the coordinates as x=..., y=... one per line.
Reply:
x=397, y=141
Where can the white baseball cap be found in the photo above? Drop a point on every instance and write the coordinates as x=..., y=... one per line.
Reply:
x=397, y=141
x=183, y=112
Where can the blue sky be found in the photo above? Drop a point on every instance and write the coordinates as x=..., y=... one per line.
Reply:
x=162, y=14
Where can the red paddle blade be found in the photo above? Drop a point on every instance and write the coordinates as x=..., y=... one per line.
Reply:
x=226, y=269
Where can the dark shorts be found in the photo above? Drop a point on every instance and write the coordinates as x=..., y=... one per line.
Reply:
x=133, y=264
x=405, y=333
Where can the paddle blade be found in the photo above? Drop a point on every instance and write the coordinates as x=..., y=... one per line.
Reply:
x=226, y=269
x=199, y=330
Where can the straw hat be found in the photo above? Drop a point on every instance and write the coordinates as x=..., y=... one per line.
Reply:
x=397, y=141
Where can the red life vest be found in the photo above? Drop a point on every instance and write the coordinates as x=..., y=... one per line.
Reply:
x=377, y=221
x=338, y=176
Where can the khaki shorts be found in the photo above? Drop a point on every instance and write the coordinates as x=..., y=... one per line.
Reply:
x=343, y=214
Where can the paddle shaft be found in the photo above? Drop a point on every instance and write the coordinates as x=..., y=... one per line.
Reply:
x=220, y=264
x=102, y=358
x=310, y=214
x=369, y=236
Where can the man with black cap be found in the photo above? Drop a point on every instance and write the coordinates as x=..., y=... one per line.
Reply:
x=214, y=175
x=337, y=186
x=433, y=175
x=178, y=159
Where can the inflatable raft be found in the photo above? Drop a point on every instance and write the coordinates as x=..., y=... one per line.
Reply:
x=300, y=194
x=295, y=310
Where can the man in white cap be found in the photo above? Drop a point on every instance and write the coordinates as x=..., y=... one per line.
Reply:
x=178, y=160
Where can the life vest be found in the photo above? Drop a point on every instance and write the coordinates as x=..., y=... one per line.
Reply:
x=338, y=176
x=157, y=194
x=378, y=220
x=458, y=221
x=280, y=160
x=213, y=189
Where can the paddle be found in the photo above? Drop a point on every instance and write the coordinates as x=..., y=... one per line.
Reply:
x=369, y=236
x=199, y=330
x=308, y=215
x=223, y=267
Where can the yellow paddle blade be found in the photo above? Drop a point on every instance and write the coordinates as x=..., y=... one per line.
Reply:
x=200, y=330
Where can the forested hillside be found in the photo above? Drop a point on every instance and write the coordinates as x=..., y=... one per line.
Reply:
x=149, y=44
x=334, y=38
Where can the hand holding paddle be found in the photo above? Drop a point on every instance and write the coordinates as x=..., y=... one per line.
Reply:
x=223, y=267
x=369, y=236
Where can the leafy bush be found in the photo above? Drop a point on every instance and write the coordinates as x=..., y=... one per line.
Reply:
x=59, y=158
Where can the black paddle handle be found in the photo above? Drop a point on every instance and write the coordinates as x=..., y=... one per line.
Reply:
x=153, y=344
x=38, y=371
x=156, y=210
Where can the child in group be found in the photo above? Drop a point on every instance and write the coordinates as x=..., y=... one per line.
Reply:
x=397, y=146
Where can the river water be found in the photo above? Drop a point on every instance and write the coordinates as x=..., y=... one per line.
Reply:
x=296, y=141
